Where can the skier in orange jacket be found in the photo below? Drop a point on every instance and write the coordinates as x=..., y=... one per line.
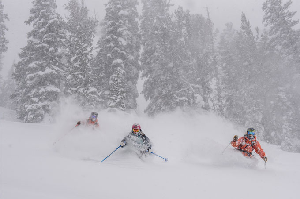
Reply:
x=92, y=121
x=248, y=143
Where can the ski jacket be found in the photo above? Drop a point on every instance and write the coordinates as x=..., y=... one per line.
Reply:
x=90, y=122
x=246, y=146
x=139, y=140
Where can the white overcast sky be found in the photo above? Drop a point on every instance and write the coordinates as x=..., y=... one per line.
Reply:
x=221, y=12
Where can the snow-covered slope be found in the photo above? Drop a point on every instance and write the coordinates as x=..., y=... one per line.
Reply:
x=32, y=167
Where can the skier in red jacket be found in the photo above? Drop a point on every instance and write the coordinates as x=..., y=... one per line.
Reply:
x=92, y=121
x=248, y=143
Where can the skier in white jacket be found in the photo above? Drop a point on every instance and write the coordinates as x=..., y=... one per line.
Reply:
x=138, y=140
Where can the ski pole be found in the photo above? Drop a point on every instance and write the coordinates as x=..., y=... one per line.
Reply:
x=226, y=148
x=166, y=159
x=111, y=153
x=64, y=135
x=265, y=164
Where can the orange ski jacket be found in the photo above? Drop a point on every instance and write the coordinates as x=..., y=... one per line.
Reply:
x=246, y=146
x=90, y=122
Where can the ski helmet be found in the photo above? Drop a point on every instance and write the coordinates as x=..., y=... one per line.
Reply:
x=94, y=116
x=250, y=133
x=136, y=128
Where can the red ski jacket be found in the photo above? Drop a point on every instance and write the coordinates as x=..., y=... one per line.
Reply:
x=246, y=146
x=90, y=122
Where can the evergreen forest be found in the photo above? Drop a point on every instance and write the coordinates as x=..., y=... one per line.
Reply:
x=247, y=75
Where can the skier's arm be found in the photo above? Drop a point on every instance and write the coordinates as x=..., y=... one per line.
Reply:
x=83, y=122
x=80, y=122
x=124, y=141
x=236, y=142
x=259, y=150
x=147, y=142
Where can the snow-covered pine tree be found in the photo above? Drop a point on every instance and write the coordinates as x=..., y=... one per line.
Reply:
x=183, y=91
x=248, y=72
x=228, y=59
x=282, y=62
x=81, y=31
x=271, y=76
x=3, y=29
x=283, y=36
x=246, y=43
x=99, y=76
x=156, y=32
x=289, y=109
x=166, y=85
x=116, y=63
x=238, y=58
x=204, y=58
x=38, y=73
x=211, y=88
x=280, y=107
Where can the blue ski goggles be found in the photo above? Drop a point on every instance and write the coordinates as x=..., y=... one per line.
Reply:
x=251, y=133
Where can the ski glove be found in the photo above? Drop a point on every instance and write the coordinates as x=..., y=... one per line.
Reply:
x=149, y=150
x=78, y=123
x=235, y=138
x=265, y=159
x=122, y=144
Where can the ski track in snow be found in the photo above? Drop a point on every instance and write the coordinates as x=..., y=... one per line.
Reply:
x=33, y=167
